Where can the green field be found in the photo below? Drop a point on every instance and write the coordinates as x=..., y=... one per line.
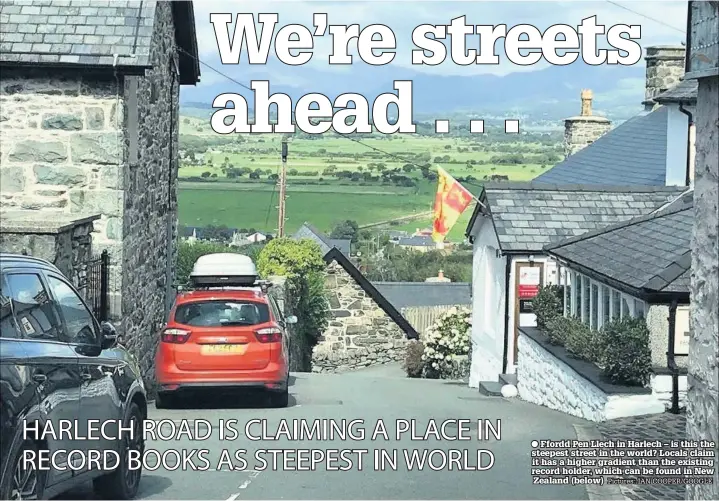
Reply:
x=229, y=180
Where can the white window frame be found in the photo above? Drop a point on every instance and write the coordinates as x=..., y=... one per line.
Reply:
x=594, y=301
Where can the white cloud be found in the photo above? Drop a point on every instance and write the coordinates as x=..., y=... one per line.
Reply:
x=403, y=16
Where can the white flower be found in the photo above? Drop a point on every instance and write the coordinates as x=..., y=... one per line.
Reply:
x=434, y=365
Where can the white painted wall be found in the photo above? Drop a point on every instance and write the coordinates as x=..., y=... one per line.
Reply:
x=488, y=304
x=677, y=140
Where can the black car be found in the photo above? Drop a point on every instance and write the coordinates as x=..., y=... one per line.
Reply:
x=58, y=365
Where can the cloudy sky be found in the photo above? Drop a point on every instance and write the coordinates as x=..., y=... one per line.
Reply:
x=667, y=27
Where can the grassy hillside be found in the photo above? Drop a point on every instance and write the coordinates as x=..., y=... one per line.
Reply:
x=231, y=180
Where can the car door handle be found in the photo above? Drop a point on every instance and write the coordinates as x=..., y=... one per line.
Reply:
x=86, y=376
x=40, y=378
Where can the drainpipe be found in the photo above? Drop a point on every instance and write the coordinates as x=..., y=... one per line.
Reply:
x=507, y=272
x=690, y=143
x=671, y=363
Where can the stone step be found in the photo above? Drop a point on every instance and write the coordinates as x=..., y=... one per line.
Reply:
x=508, y=379
x=490, y=388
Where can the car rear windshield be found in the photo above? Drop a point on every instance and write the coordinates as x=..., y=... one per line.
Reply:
x=222, y=313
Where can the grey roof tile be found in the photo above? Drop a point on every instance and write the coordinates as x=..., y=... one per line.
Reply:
x=685, y=92
x=522, y=225
x=651, y=253
x=326, y=244
x=632, y=154
x=36, y=31
x=416, y=294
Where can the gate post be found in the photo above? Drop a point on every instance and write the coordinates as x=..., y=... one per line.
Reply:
x=104, y=284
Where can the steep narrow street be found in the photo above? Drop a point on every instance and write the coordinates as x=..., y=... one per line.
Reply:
x=372, y=394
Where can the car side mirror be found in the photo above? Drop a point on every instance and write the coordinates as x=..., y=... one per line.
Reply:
x=291, y=320
x=109, y=335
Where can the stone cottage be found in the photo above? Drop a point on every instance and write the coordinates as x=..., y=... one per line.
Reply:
x=89, y=106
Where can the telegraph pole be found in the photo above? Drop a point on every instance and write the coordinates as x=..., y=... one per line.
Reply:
x=283, y=188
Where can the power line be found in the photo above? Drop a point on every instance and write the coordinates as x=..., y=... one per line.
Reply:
x=646, y=17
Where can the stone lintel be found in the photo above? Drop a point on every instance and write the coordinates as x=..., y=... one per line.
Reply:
x=42, y=222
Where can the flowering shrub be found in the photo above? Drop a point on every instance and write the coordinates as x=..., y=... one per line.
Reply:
x=445, y=341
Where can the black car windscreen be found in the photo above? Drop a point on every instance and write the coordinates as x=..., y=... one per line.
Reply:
x=222, y=313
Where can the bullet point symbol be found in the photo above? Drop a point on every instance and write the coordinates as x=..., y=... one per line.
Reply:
x=535, y=443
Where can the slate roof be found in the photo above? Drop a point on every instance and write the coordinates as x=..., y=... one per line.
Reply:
x=417, y=241
x=528, y=216
x=632, y=154
x=371, y=291
x=414, y=294
x=81, y=33
x=326, y=243
x=650, y=254
x=685, y=92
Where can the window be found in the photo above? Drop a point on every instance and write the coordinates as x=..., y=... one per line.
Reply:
x=616, y=305
x=586, y=299
x=626, y=310
x=35, y=313
x=222, y=313
x=639, y=308
x=79, y=322
x=8, y=327
x=276, y=310
x=606, y=305
x=567, y=296
x=594, y=307
x=577, y=303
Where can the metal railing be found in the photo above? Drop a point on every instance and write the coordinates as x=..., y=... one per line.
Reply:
x=96, y=285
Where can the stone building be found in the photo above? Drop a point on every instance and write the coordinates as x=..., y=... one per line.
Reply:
x=583, y=130
x=365, y=328
x=89, y=97
x=703, y=393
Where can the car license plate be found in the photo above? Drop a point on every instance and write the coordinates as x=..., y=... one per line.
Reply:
x=223, y=349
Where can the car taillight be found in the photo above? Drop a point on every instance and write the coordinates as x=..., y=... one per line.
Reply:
x=177, y=336
x=269, y=335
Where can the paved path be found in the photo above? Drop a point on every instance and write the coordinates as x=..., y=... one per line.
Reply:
x=370, y=395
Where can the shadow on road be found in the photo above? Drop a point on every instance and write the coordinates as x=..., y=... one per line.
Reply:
x=235, y=399
x=150, y=485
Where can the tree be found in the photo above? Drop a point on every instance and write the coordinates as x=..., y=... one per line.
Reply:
x=206, y=174
x=347, y=229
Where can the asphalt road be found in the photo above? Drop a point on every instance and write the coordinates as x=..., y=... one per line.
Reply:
x=370, y=395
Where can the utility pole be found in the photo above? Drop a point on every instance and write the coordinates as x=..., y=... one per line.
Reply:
x=283, y=188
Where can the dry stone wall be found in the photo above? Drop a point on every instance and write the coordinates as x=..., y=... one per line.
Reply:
x=360, y=333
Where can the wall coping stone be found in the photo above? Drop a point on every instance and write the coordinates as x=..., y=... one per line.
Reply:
x=587, y=370
x=42, y=222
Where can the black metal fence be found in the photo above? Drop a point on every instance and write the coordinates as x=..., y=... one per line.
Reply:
x=96, y=285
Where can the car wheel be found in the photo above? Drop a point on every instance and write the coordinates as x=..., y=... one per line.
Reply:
x=124, y=481
x=21, y=482
x=279, y=399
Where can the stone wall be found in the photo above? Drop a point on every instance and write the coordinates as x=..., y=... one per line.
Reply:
x=58, y=238
x=149, y=226
x=580, y=132
x=61, y=151
x=658, y=325
x=360, y=333
x=703, y=395
x=543, y=379
x=300, y=353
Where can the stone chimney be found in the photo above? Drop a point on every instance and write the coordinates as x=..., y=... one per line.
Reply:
x=665, y=69
x=583, y=130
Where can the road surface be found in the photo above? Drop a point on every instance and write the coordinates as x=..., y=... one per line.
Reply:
x=370, y=395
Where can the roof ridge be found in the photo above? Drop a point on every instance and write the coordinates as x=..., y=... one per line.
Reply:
x=622, y=224
x=601, y=188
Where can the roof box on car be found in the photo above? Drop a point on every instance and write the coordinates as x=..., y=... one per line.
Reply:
x=224, y=270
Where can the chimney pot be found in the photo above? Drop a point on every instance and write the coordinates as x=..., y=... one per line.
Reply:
x=440, y=274
x=587, y=96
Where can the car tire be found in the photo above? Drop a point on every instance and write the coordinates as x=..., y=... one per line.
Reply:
x=163, y=401
x=123, y=483
x=33, y=487
x=280, y=399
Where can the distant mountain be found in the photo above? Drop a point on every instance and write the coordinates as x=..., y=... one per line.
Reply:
x=551, y=93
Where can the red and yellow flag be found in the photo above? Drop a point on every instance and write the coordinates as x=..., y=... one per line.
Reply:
x=451, y=200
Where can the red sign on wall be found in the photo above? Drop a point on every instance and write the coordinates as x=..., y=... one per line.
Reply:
x=528, y=291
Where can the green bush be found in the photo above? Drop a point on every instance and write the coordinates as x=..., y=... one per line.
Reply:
x=445, y=341
x=413, y=363
x=547, y=304
x=557, y=330
x=582, y=342
x=300, y=261
x=626, y=355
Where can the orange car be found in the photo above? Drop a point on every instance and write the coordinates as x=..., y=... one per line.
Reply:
x=224, y=334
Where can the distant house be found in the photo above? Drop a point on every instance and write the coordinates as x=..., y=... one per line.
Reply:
x=257, y=237
x=325, y=243
x=90, y=120
x=418, y=243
